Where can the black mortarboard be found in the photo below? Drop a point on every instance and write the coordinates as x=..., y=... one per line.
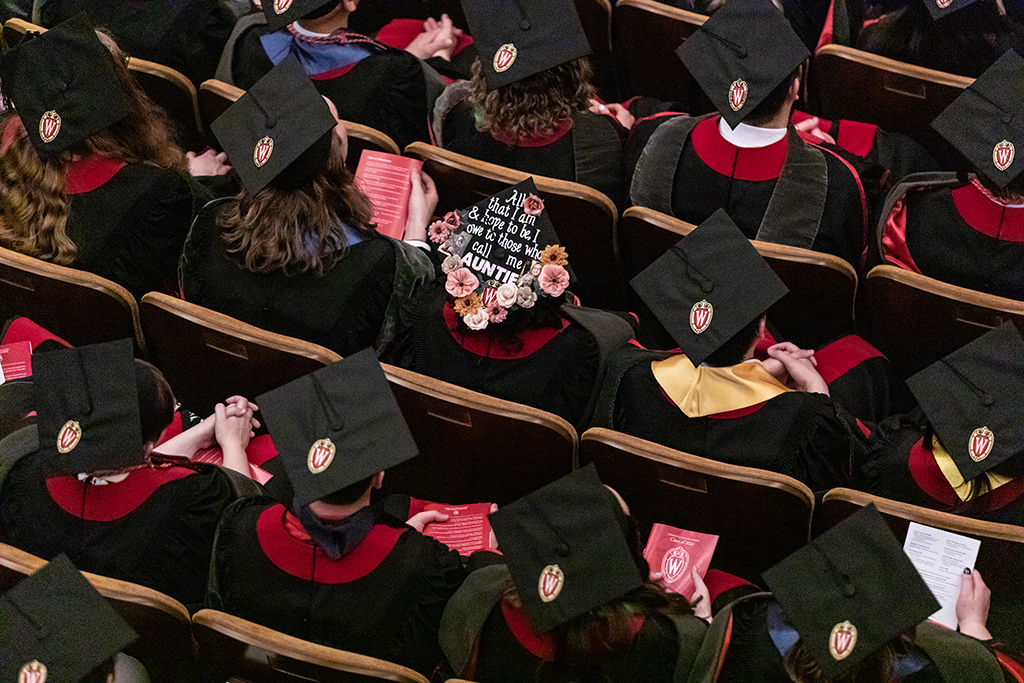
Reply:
x=974, y=399
x=708, y=286
x=275, y=123
x=54, y=626
x=520, y=38
x=63, y=86
x=565, y=549
x=88, y=407
x=850, y=591
x=336, y=426
x=741, y=54
x=280, y=13
x=986, y=122
x=940, y=8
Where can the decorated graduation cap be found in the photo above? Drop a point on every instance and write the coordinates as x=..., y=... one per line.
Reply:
x=88, y=407
x=336, y=426
x=986, y=122
x=505, y=255
x=63, y=85
x=850, y=591
x=54, y=626
x=565, y=548
x=741, y=54
x=974, y=399
x=708, y=286
x=281, y=126
x=520, y=38
x=941, y=8
x=280, y=13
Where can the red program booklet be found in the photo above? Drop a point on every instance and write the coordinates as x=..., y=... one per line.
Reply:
x=467, y=529
x=15, y=361
x=674, y=552
x=384, y=178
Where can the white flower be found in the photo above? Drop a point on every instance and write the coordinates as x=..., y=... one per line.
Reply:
x=525, y=280
x=451, y=263
x=526, y=297
x=535, y=268
x=507, y=294
x=477, y=320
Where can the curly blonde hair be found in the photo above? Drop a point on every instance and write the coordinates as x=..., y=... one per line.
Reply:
x=33, y=202
x=534, y=106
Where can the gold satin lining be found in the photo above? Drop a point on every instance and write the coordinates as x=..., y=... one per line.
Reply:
x=955, y=479
x=707, y=391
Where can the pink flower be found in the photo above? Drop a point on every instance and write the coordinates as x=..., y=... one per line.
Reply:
x=438, y=232
x=496, y=313
x=461, y=282
x=533, y=205
x=506, y=294
x=477, y=320
x=451, y=219
x=553, y=280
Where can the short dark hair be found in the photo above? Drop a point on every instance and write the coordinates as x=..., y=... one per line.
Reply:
x=350, y=493
x=156, y=400
x=767, y=109
x=733, y=351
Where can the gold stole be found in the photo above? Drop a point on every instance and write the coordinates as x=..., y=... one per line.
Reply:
x=705, y=390
x=955, y=479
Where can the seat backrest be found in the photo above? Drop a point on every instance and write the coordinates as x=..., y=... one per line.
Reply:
x=803, y=316
x=171, y=91
x=899, y=97
x=916, y=320
x=165, y=646
x=208, y=356
x=760, y=517
x=214, y=98
x=77, y=306
x=1000, y=557
x=239, y=650
x=583, y=217
x=649, y=33
x=15, y=29
x=473, y=447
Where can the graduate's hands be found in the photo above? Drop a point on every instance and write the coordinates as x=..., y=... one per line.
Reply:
x=799, y=364
x=775, y=367
x=438, y=39
x=422, y=202
x=420, y=520
x=209, y=163
x=701, y=598
x=620, y=113
x=234, y=427
x=812, y=127
x=972, y=605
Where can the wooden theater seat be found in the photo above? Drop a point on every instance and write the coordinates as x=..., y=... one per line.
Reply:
x=917, y=320
x=15, y=29
x=173, y=93
x=583, y=217
x=208, y=356
x=760, y=517
x=77, y=306
x=243, y=652
x=822, y=287
x=473, y=447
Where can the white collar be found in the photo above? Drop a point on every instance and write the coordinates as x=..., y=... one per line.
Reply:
x=309, y=34
x=99, y=481
x=745, y=135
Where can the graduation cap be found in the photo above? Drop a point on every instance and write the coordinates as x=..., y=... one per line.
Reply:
x=88, y=407
x=986, y=124
x=281, y=126
x=565, y=549
x=941, y=8
x=708, y=286
x=974, y=399
x=280, y=13
x=54, y=626
x=63, y=85
x=336, y=426
x=741, y=54
x=520, y=38
x=850, y=591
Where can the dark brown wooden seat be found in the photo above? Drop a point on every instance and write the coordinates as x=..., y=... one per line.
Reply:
x=234, y=649
x=173, y=93
x=804, y=316
x=15, y=29
x=583, y=217
x=473, y=447
x=80, y=307
x=649, y=33
x=899, y=97
x=165, y=646
x=761, y=517
x=208, y=356
x=916, y=320
x=1000, y=558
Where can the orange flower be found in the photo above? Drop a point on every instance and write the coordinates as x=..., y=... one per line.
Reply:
x=553, y=255
x=468, y=304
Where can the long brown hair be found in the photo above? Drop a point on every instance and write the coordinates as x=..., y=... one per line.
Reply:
x=534, y=106
x=878, y=668
x=299, y=229
x=33, y=202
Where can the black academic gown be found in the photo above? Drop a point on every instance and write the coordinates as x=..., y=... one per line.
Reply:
x=690, y=174
x=383, y=599
x=352, y=306
x=155, y=528
x=954, y=233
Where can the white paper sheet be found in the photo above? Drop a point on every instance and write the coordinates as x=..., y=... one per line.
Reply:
x=940, y=558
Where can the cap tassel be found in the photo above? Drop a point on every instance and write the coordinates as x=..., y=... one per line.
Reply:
x=524, y=23
x=740, y=51
x=334, y=421
x=270, y=120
